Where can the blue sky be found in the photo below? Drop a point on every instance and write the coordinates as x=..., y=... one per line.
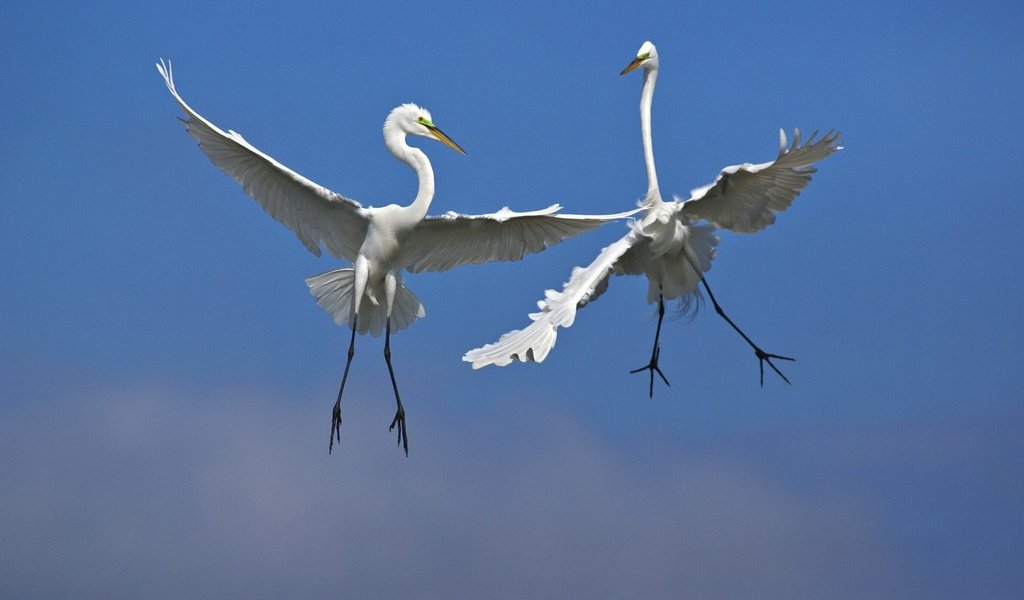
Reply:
x=166, y=380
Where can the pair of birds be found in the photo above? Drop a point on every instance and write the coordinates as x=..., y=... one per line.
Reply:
x=665, y=244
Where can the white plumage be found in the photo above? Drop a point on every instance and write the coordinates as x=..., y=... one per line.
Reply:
x=666, y=244
x=381, y=242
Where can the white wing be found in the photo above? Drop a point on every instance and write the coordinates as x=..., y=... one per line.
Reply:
x=745, y=198
x=318, y=216
x=557, y=309
x=439, y=243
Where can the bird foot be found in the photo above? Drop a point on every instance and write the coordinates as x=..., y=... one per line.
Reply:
x=403, y=436
x=766, y=357
x=335, y=425
x=653, y=368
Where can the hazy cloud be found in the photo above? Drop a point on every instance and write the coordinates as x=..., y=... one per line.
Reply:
x=153, y=494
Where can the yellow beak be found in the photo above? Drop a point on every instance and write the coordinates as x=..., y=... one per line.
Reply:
x=636, y=63
x=443, y=137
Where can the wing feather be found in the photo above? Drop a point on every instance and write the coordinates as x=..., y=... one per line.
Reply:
x=439, y=243
x=557, y=309
x=745, y=198
x=318, y=216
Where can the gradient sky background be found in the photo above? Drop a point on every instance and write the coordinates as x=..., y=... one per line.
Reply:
x=167, y=380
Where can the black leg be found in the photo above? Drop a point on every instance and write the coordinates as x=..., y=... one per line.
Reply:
x=656, y=352
x=336, y=413
x=399, y=420
x=762, y=356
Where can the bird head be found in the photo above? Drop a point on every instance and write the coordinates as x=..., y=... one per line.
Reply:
x=415, y=120
x=646, y=57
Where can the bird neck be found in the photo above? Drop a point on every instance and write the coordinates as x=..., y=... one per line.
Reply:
x=646, y=98
x=394, y=139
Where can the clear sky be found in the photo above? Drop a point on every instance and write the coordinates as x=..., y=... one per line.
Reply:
x=166, y=380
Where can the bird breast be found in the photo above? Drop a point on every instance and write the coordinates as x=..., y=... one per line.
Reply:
x=388, y=227
x=666, y=231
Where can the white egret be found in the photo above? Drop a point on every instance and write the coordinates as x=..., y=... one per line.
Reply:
x=380, y=242
x=666, y=244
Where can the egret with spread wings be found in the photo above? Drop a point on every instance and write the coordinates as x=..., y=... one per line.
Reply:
x=673, y=243
x=381, y=242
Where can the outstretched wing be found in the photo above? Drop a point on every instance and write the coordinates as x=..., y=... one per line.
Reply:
x=557, y=309
x=745, y=198
x=318, y=216
x=439, y=243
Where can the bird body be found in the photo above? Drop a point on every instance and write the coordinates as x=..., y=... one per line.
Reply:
x=381, y=242
x=672, y=244
x=666, y=248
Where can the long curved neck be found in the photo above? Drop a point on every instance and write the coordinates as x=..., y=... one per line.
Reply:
x=394, y=139
x=646, y=98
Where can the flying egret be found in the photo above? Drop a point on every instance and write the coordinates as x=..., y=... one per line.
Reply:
x=380, y=242
x=666, y=244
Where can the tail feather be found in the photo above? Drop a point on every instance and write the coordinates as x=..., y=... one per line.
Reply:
x=333, y=291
